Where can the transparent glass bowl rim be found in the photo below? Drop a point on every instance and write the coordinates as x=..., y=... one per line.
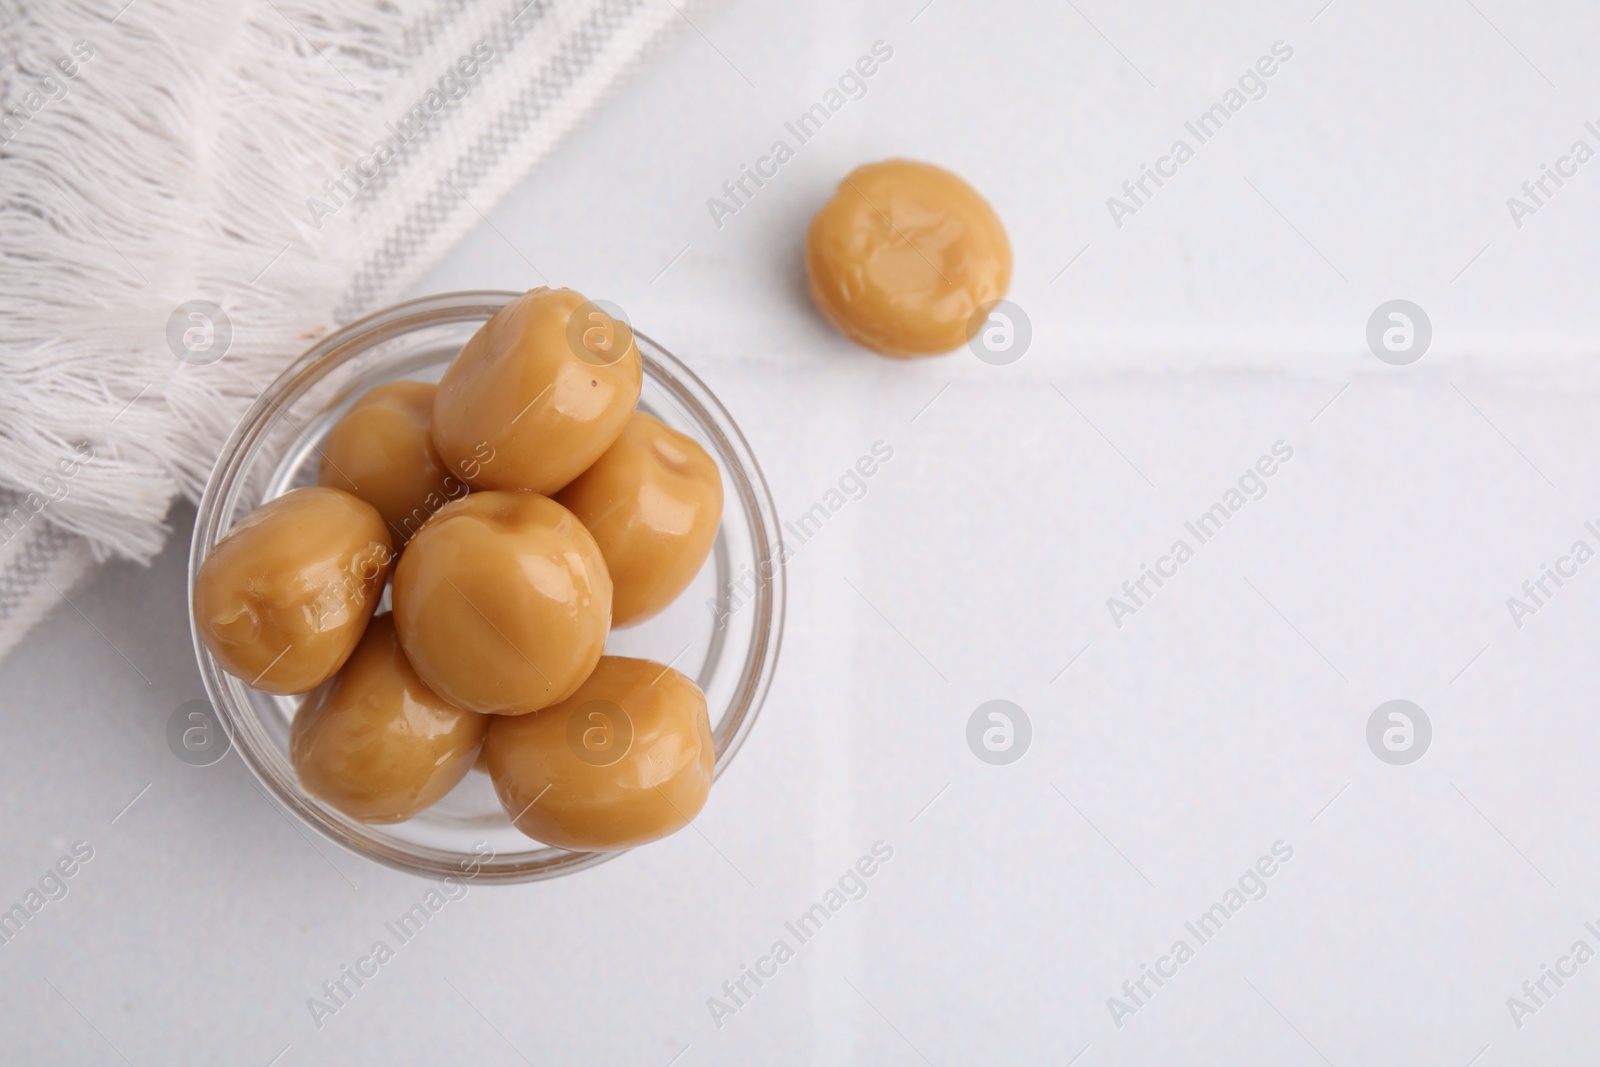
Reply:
x=227, y=481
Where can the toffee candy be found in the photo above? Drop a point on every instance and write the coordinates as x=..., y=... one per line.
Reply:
x=904, y=255
x=283, y=599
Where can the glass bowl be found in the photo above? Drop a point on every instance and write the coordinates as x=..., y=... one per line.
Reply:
x=724, y=631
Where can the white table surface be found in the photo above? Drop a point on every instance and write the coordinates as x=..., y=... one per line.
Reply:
x=1228, y=714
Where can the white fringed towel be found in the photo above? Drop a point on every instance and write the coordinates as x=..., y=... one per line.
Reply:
x=296, y=164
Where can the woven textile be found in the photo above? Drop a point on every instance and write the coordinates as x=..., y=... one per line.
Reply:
x=190, y=194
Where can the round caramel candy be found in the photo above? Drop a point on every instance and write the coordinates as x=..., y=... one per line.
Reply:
x=282, y=600
x=624, y=760
x=378, y=744
x=904, y=255
x=502, y=602
x=653, y=502
x=382, y=451
x=537, y=394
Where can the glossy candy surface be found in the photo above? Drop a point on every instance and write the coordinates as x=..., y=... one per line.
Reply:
x=904, y=255
x=378, y=744
x=382, y=451
x=502, y=602
x=653, y=502
x=537, y=394
x=284, y=597
x=626, y=759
